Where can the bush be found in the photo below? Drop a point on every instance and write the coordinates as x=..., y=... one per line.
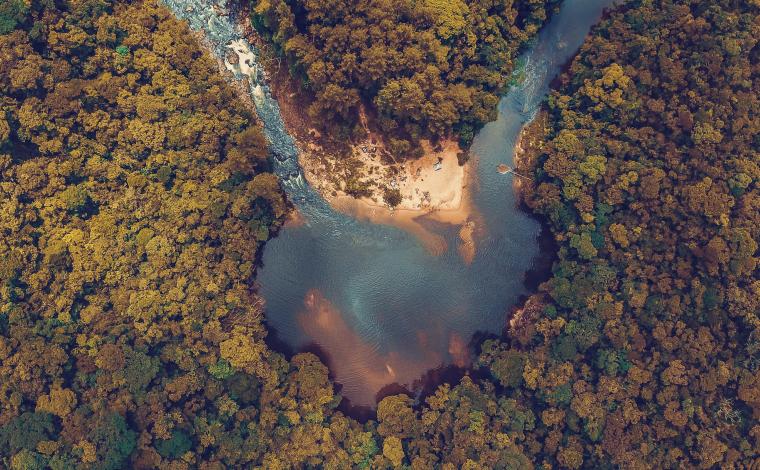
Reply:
x=25, y=432
x=12, y=12
x=174, y=447
x=392, y=197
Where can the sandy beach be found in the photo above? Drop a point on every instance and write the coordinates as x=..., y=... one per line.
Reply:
x=434, y=182
x=442, y=196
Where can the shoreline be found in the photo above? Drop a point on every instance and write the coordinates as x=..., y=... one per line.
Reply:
x=459, y=211
x=432, y=187
x=463, y=214
x=525, y=155
x=513, y=317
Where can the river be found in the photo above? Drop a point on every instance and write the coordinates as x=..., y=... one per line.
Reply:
x=379, y=306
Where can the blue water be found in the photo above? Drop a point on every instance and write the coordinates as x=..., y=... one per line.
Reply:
x=379, y=305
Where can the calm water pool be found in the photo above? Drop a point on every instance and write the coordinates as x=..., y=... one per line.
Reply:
x=381, y=307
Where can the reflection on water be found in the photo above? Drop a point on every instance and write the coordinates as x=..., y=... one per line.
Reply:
x=371, y=296
x=370, y=368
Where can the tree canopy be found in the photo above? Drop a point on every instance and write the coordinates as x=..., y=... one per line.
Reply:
x=136, y=193
x=425, y=69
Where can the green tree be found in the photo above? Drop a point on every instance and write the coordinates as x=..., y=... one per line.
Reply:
x=114, y=441
x=26, y=431
x=12, y=12
x=174, y=447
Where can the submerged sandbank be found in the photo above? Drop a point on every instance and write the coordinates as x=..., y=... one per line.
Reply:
x=371, y=369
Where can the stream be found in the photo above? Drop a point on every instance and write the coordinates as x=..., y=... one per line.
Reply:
x=380, y=307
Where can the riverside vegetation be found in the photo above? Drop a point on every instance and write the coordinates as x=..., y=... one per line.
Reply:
x=134, y=195
x=429, y=69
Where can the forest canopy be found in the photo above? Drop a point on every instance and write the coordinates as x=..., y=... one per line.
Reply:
x=425, y=69
x=647, y=164
x=136, y=194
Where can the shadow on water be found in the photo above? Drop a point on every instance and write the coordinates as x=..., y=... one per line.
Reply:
x=276, y=343
x=426, y=385
x=368, y=299
x=420, y=389
x=541, y=270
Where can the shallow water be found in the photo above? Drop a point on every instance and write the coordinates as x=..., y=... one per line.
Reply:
x=381, y=307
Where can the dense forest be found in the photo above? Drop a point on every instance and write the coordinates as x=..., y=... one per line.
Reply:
x=424, y=69
x=649, y=173
x=135, y=195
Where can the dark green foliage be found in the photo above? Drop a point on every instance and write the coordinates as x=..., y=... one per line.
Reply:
x=648, y=143
x=139, y=370
x=12, y=12
x=559, y=395
x=584, y=332
x=28, y=460
x=243, y=388
x=26, y=431
x=114, y=441
x=518, y=418
x=221, y=370
x=428, y=69
x=565, y=348
x=174, y=447
x=506, y=365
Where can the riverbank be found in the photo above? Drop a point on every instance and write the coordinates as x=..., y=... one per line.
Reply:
x=358, y=179
x=528, y=148
x=441, y=195
x=364, y=180
x=384, y=294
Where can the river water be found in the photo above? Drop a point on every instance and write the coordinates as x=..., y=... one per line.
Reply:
x=379, y=306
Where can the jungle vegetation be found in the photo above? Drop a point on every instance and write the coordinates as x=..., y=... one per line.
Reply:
x=135, y=194
x=649, y=172
x=422, y=69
